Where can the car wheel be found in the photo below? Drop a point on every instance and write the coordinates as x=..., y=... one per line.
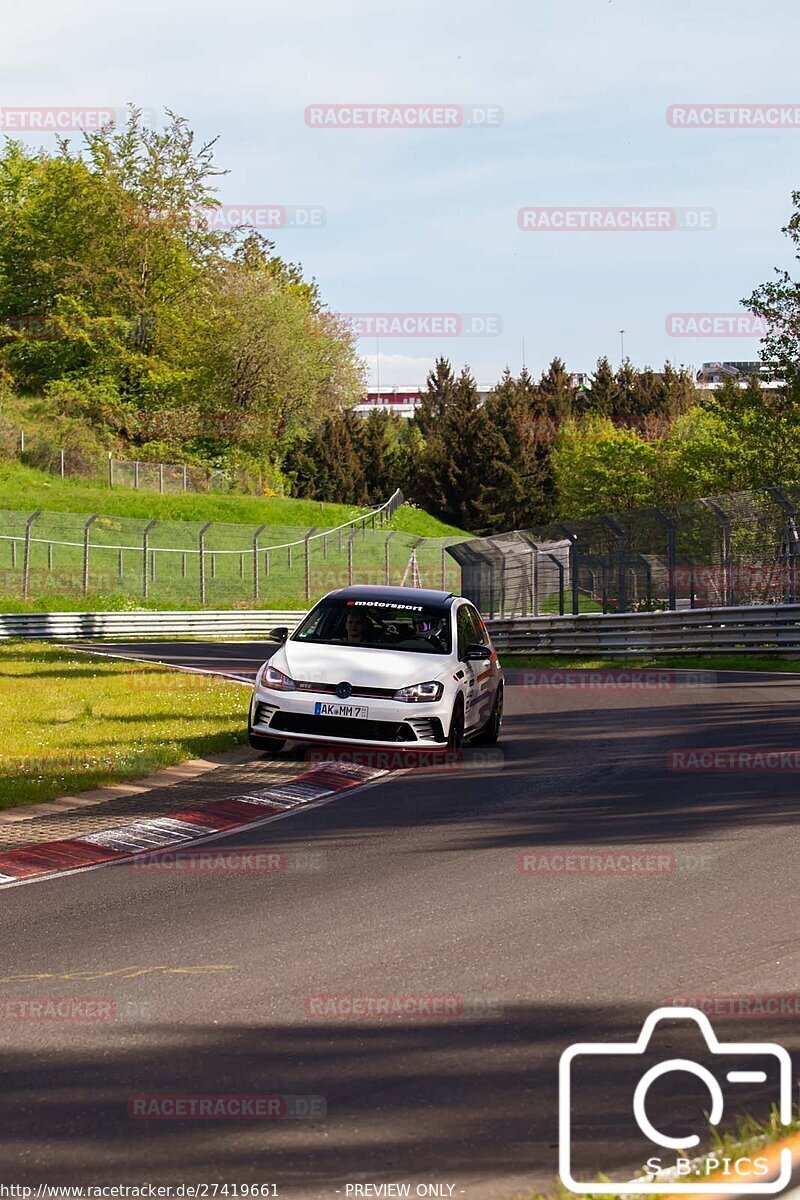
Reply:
x=491, y=730
x=455, y=738
x=263, y=742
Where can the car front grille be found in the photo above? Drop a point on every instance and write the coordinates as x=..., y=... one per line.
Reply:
x=329, y=689
x=344, y=727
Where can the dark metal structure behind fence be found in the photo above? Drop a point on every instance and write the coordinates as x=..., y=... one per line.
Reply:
x=736, y=549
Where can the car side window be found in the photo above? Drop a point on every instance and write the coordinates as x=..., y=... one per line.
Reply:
x=465, y=630
x=479, y=633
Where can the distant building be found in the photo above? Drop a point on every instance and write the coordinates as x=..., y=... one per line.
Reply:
x=404, y=401
x=712, y=375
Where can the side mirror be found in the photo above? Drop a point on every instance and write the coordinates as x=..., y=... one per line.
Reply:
x=280, y=633
x=477, y=652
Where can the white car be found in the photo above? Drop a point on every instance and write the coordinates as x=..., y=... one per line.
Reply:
x=382, y=666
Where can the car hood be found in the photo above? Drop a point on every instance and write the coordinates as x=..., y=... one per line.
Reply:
x=359, y=666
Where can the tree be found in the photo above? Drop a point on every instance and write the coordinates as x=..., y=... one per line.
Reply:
x=600, y=468
x=778, y=302
x=556, y=392
x=602, y=396
x=518, y=489
x=452, y=470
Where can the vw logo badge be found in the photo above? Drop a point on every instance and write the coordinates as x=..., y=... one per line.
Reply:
x=343, y=690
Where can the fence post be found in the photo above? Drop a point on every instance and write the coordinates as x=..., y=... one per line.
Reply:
x=49, y=556
x=183, y=565
x=560, y=566
x=145, y=536
x=14, y=553
x=308, y=563
x=444, y=569
x=791, y=540
x=256, y=536
x=26, y=560
x=350, y=558
x=86, y=529
x=22, y=441
x=110, y=470
x=136, y=473
x=202, y=557
x=120, y=563
x=573, y=566
x=669, y=525
x=619, y=534
x=726, y=548
x=62, y=464
x=389, y=537
x=161, y=478
x=184, y=477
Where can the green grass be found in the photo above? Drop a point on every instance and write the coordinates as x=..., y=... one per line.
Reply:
x=76, y=721
x=25, y=489
x=750, y=1137
x=690, y=662
x=116, y=555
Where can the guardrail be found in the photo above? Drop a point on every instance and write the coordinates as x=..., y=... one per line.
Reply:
x=775, y=628
x=225, y=623
x=730, y=630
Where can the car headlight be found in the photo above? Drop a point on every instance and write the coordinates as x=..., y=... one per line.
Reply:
x=276, y=680
x=421, y=691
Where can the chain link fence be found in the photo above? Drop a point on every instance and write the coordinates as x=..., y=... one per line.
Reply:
x=736, y=549
x=214, y=564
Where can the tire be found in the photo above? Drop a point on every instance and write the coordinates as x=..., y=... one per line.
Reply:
x=263, y=742
x=267, y=745
x=491, y=731
x=455, y=736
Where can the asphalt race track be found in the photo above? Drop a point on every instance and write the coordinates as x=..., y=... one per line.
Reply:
x=414, y=887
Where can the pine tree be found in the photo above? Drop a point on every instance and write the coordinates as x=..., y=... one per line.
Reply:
x=602, y=397
x=556, y=392
x=440, y=384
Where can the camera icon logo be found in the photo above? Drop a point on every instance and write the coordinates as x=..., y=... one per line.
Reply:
x=721, y=1051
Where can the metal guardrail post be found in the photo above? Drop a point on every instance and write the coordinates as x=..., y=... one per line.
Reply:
x=256, y=537
x=86, y=529
x=26, y=559
x=669, y=525
x=145, y=537
x=725, y=521
x=619, y=534
x=573, y=566
x=791, y=540
x=202, y=557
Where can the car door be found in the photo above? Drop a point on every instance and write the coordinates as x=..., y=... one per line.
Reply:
x=465, y=635
x=485, y=674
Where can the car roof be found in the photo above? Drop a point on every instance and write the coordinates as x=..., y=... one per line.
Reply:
x=393, y=595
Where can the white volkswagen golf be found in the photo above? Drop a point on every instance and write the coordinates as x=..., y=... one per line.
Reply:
x=382, y=666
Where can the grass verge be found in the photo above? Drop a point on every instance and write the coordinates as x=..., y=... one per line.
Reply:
x=749, y=1138
x=73, y=721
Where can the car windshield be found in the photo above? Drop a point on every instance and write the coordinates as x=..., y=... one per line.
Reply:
x=386, y=625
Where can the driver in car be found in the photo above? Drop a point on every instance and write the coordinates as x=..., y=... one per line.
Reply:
x=357, y=628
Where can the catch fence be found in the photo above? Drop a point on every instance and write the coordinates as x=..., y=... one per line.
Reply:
x=213, y=564
x=730, y=550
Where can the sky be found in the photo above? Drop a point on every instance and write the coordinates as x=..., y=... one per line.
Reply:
x=565, y=105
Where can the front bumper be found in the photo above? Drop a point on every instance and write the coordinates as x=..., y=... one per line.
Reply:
x=391, y=724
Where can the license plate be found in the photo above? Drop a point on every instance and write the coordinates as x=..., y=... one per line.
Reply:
x=340, y=710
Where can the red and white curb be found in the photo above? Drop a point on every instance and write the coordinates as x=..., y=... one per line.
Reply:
x=200, y=821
